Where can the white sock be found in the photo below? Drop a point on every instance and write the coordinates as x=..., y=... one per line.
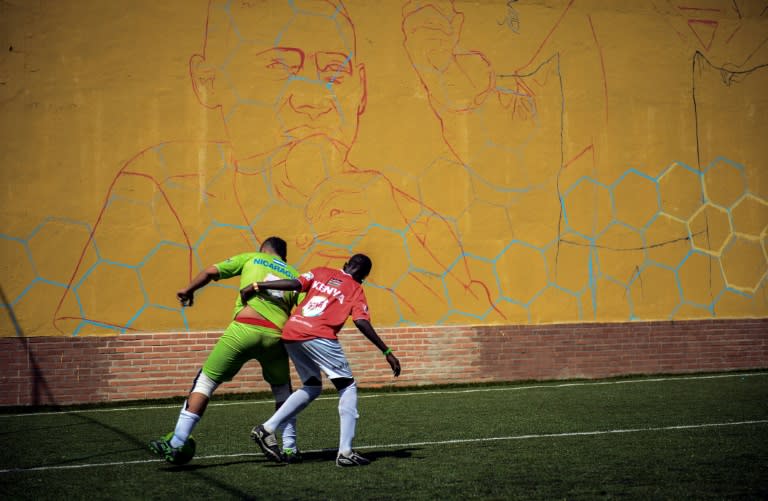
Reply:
x=288, y=428
x=298, y=400
x=347, y=418
x=184, y=426
x=289, y=434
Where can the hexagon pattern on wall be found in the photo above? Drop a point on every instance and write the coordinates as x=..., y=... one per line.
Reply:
x=639, y=246
x=672, y=253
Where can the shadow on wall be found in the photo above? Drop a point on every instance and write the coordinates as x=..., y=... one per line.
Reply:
x=39, y=383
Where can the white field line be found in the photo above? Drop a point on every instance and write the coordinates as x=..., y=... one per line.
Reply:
x=415, y=393
x=411, y=444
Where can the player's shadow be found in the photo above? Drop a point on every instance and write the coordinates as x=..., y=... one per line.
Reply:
x=326, y=455
x=40, y=385
x=57, y=428
x=195, y=466
x=404, y=453
x=321, y=456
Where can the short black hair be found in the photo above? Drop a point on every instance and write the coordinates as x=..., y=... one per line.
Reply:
x=277, y=245
x=359, y=266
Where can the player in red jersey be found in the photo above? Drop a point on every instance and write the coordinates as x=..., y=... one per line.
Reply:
x=310, y=337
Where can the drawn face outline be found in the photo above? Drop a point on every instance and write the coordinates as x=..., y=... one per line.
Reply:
x=275, y=90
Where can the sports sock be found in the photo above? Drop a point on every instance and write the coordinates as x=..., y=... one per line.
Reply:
x=184, y=426
x=347, y=418
x=289, y=434
x=298, y=400
x=288, y=427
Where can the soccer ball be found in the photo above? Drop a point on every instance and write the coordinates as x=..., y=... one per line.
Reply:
x=186, y=453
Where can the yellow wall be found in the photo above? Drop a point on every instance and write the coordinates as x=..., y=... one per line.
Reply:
x=502, y=162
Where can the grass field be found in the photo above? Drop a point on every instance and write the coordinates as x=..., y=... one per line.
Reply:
x=675, y=437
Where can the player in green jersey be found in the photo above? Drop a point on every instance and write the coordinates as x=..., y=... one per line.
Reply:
x=253, y=334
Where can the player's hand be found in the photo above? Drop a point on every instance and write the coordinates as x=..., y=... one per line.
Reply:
x=248, y=292
x=394, y=363
x=185, y=298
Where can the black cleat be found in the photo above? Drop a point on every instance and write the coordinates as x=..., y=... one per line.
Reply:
x=268, y=443
x=353, y=459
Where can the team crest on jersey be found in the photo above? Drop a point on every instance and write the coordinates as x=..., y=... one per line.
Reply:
x=315, y=306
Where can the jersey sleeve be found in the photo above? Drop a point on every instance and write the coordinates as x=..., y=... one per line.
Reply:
x=233, y=266
x=359, y=309
x=306, y=279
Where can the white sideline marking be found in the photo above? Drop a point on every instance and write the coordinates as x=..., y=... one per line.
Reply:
x=414, y=393
x=411, y=444
x=566, y=434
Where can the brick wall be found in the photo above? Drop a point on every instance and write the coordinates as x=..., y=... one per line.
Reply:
x=67, y=370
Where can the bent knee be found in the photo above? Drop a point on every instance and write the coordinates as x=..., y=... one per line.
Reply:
x=342, y=382
x=204, y=384
x=312, y=391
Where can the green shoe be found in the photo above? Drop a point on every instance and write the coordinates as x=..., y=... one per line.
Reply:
x=292, y=456
x=174, y=455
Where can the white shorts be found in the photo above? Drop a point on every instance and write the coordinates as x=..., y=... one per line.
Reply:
x=316, y=355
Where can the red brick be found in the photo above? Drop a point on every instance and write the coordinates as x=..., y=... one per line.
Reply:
x=138, y=366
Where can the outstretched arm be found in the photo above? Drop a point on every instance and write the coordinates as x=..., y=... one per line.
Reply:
x=366, y=328
x=187, y=295
x=249, y=291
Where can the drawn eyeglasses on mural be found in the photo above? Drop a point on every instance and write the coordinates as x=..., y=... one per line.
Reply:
x=286, y=63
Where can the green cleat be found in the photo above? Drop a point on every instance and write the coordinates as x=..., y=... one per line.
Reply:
x=174, y=455
x=292, y=456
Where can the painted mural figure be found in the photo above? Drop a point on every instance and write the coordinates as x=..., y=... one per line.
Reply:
x=290, y=105
x=522, y=126
x=504, y=133
x=486, y=118
x=551, y=127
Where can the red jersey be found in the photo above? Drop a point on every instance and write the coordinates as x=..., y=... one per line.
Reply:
x=332, y=297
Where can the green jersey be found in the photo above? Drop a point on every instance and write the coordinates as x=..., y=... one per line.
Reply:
x=273, y=305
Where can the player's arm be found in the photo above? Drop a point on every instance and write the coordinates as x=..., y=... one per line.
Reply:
x=187, y=295
x=249, y=291
x=366, y=328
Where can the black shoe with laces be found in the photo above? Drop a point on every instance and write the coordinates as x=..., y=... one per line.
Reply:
x=268, y=443
x=352, y=459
